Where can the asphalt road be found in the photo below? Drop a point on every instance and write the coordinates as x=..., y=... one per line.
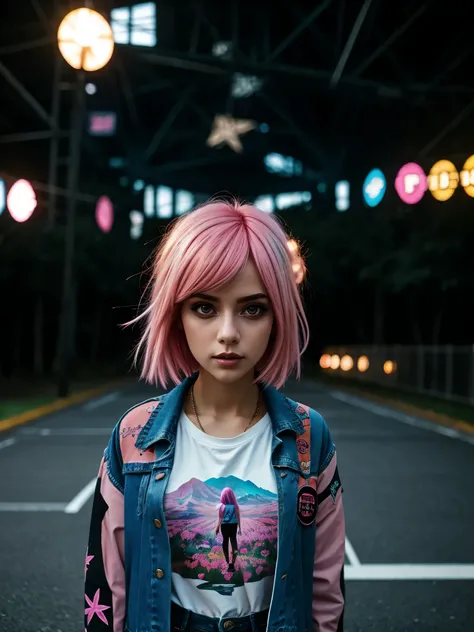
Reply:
x=408, y=494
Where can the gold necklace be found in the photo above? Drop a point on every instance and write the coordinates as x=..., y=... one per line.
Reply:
x=199, y=421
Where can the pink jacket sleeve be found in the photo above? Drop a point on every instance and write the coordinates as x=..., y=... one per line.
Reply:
x=328, y=574
x=104, y=568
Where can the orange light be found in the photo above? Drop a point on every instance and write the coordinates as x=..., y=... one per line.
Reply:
x=325, y=361
x=335, y=362
x=389, y=367
x=443, y=180
x=347, y=363
x=85, y=40
x=363, y=364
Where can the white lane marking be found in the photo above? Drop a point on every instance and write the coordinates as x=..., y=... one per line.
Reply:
x=67, y=432
x=32, y=506
x=95, y=403
x=81, y=498
x=382, y=572
x=7, y=443
x=399, y=416
x=351, y=554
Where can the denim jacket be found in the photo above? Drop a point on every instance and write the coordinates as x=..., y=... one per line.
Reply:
x=128, y=561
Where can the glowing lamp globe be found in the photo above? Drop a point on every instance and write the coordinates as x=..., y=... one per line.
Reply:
x=21, y=201
x=85, y=40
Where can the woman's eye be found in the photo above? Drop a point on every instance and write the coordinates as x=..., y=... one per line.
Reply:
x=256, y=310
x=203, y=308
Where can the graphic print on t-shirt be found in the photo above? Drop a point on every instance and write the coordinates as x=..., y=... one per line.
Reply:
x=244, y=548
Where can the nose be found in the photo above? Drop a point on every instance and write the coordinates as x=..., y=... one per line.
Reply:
x=228, y=332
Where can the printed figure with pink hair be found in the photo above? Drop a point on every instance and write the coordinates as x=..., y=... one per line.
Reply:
x=229, y=522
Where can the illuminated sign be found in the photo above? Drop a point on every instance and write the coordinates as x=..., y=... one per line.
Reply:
x=466, y=177
x=104, y=214
x=411, y=183
x=3, y=196
x=374, y=187
x=443, y=180
x=342, y=192
x=102, y=123
x=21, y=201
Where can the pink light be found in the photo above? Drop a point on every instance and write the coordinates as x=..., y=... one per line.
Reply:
x=411, y=183
x=104, y=214
x=21, y=201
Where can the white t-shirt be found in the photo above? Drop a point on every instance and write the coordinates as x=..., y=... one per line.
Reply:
x=230, y=478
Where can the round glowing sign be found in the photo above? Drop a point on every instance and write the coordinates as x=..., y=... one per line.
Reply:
x=467, y=176
x=374, y=187
x=21, y=201
x=104, y=214
x=85, y=39
x=443, y=180
x=411, y=183
x=3, y=196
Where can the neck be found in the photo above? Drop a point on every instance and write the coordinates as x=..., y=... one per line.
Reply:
x=225, y=401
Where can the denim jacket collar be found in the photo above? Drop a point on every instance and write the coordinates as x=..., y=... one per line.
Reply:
x=163, y=421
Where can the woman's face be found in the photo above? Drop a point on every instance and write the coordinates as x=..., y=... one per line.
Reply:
x=229, y=321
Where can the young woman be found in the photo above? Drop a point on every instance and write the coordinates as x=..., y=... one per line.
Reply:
x=225, y=323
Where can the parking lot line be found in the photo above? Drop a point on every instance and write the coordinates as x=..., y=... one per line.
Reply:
x=386, y=411
x=95, y=403
x=406, y=572
x=7, y=443
x=32, y=506
x=81, y=498
x=351, y=554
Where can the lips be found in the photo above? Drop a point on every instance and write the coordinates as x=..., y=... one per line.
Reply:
x=228, y=356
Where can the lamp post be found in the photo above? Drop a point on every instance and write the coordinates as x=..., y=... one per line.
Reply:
x=85, y=40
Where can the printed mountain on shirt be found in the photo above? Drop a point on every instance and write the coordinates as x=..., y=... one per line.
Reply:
x=197, y=553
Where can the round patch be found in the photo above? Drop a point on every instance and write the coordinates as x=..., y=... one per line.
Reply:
x=307, y=505
x=302, y=446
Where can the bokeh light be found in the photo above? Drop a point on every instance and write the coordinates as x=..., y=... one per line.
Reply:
x=325, y=361
x=335, y=362
x=389, y=367
x=104, y=214
x=347, y=363
x=363, y=364
x=21, y=201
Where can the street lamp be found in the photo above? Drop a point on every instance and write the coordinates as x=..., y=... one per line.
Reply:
x=86, y=42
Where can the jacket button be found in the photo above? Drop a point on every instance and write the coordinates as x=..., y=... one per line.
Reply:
x=157, y=523
x=283, y=576
x=159, y=476
x=159, y=573
x=283, y=474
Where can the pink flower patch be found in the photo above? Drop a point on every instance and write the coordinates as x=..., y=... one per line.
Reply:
x=227, y=576
x=259, y=570
x=265, y=553
x=244, y=551
x=247, y=576
x=201, y=575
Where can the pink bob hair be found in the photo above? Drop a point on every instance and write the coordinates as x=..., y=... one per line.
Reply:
x=228, y=498
x=202, y=251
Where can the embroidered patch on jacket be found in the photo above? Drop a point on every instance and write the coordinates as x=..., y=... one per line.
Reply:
x=302, y=446
x=307, y=505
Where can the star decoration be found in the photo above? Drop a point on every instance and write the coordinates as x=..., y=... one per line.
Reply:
x=227, y=129
x=96, y=608
x=89, y=559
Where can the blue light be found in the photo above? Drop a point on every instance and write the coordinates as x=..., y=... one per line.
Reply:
x=374, y=187
x=2, y=196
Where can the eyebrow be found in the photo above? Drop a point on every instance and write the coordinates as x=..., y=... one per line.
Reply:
x=243, y=299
